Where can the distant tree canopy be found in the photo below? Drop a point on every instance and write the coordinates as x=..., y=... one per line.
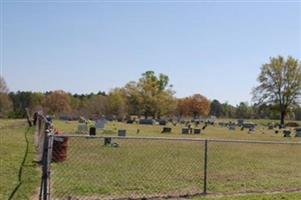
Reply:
x=279, y=85
x=243, y=111
x=57, y=102
x=150, y=96
x=193, y=106
x=5, y=101
x=216, y=108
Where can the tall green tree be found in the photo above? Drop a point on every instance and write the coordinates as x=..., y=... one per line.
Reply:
x=243, y=110
x=229, y=111
x=151, y=89
x=117, y=103
x=279, y=84
x=5, y=101
x=216, y=108
x=21, y=100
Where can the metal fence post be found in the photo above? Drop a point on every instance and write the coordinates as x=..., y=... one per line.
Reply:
x=45, y=157
x=49, y=158
x=205, y=166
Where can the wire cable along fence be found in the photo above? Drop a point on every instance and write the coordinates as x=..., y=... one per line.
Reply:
x=97, y=167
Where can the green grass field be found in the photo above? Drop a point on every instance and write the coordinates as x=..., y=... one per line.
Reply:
x=142, y=167
x=16, y=168
x=146, y=167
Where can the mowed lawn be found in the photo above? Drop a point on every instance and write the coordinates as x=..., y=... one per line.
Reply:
x=145, y=168
x=12, y=155
x=278, y=196
x=140, y=168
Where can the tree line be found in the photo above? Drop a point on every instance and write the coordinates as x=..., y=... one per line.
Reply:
x=151, y=95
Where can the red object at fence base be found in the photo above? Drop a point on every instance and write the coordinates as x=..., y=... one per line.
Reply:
x=59, y=151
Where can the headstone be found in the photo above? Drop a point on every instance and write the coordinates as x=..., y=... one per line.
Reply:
x=197, y=131
x=166, y=130
x=162, y=122
x=240, y=122
x=146, y=121
x=298, y=132
x=249, y=125
x=130, y=121
x=100, y=123
x=286, y=133
x=121, y=132
x=107, y=141
x=92, y=131
x=185, y=131
x=189, y=128
x=82, y=128
x=232, y=127
x=212, y=120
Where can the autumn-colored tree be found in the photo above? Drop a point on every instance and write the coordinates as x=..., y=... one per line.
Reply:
x=183, y=107
x=193, y=106
x=199, y=105
x=57, y=102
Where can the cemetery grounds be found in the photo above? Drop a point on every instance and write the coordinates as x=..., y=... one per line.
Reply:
x=148, y=167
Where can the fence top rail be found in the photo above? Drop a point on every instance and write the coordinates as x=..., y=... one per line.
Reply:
x=176, y=139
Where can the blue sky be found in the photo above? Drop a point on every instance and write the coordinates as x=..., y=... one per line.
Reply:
x=212, y=48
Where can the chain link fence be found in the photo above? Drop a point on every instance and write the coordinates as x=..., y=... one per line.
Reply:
x=253, y=167
x=85, y=167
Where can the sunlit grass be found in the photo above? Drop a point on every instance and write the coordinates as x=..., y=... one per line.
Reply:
x=12, y=153
x=143, y=167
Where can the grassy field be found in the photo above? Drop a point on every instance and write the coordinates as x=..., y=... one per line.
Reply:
x=145, y=167
x=17, y=169
x=213, y=132
x=279, y=196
